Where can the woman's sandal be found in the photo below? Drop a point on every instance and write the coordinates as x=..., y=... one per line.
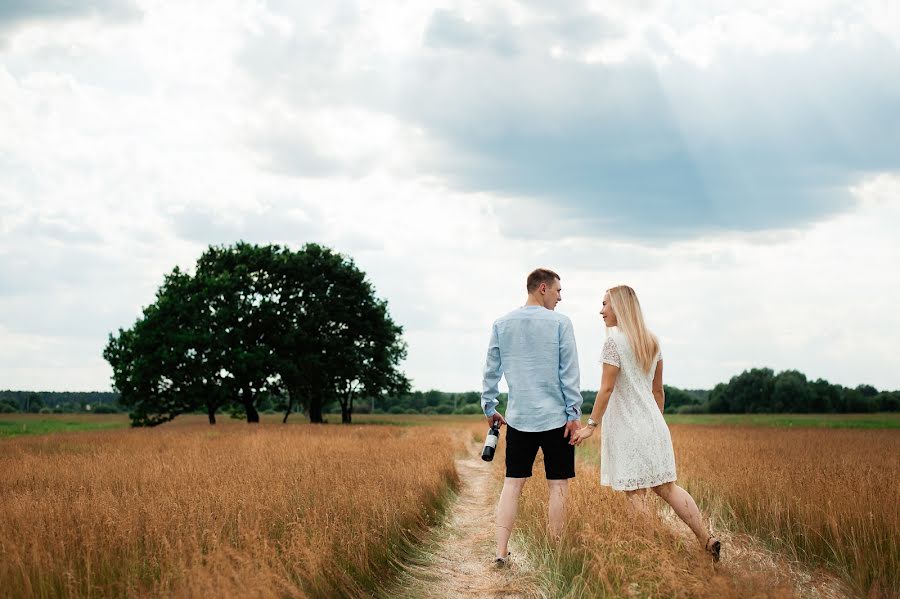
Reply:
x=715, y=549
x=502, y=562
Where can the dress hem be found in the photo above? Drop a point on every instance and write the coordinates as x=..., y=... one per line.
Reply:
x=663, y=480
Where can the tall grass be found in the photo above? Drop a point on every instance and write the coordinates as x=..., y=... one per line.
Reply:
x=299, y=511
x=609, y=552
x=826, y=496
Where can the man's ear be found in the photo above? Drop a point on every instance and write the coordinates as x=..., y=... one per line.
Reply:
x=543, y=288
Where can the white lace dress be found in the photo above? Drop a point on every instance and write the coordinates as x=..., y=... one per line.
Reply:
x=635, y=444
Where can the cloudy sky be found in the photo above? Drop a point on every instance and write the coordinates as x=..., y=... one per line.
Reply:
x=739, y=166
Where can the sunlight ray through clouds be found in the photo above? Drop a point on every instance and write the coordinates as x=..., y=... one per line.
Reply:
x=736, y=164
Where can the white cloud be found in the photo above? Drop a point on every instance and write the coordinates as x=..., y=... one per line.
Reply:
x=127, y=145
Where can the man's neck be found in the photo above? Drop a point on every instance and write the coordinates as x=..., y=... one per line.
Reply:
x=533, y=301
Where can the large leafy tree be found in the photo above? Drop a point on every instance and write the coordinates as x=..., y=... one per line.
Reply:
x=255, y=321
x=339, y=342
x=162, y=366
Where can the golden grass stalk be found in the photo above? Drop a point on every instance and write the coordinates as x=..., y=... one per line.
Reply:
x=294, y=511
x=830, y=497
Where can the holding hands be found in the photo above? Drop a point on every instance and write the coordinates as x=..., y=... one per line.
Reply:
x=581, y=434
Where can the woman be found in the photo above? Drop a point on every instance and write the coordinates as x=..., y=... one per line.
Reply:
x=636, y=448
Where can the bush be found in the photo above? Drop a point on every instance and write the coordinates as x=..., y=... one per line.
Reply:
x=691, y=409
x=44, y=411
x=469, y=409
x=7, y=408
x=58, y=411
x=105, y=409
x=395, y=410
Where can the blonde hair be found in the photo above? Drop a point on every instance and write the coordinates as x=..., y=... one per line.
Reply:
x=630, y=320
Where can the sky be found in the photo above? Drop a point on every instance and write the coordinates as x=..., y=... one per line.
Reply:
x=737, y=164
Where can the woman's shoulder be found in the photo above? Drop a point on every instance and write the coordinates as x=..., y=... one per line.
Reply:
x=618, y=338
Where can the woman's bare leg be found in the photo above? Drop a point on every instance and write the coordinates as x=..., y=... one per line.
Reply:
x=685, y=506
x=637, y=499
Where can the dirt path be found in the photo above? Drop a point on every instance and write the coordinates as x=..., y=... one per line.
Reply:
x=457, y=561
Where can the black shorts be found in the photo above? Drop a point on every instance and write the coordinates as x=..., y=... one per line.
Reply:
x=522, y=448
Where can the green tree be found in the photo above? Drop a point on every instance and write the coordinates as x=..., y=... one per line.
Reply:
x=33, y=403
x=675, y=398
x=824, y=397
x=791, y=393
x=256, y=323
x=166, y=364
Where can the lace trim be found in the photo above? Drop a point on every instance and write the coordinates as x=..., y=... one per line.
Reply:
x=643, y=482
x=610, y=353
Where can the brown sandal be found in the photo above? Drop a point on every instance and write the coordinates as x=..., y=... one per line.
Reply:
x=715, y=549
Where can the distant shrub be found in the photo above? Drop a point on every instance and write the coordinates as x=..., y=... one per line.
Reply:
x=58, y=411
x=469, y=409
x=105, y=409
x=7, y=408
x=45, y=411
x=692, y=409
x=395, y=410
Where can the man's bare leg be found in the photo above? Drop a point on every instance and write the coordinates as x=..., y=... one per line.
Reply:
x=507, y=508
x=559, y=490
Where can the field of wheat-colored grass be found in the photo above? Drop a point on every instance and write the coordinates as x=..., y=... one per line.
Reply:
x=821, y=497
x=824, y=496
x=235, y=511
x=608, y=552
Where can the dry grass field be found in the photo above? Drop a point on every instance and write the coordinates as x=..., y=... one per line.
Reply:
x=826, y=498
x=609, y=552
x=187, y=510
x=236, y=511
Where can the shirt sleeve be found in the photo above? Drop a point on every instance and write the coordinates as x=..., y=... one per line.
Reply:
x=493, y=371
x=569, y=374
x=610, y=353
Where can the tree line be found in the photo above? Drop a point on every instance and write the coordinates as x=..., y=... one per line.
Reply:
x=60, y=402
x=758, y=390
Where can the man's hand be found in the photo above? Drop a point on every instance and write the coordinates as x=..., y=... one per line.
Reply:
x=496, y=419
x=571, y=427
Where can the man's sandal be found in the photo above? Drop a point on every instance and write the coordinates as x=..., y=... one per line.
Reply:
x=501, y=562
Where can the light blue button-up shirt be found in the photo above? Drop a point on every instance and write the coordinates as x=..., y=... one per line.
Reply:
x=535, y=349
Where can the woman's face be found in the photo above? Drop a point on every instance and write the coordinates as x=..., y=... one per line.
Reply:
x=609, y=317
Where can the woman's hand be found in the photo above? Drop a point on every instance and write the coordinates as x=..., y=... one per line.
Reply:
x=581, y=434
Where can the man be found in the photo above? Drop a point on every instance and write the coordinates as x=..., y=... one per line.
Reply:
x=534, y=347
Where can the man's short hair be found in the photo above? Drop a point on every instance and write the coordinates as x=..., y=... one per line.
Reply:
x=538, y=276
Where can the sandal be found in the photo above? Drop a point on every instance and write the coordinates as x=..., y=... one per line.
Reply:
x=715, y=549
x=501, y=562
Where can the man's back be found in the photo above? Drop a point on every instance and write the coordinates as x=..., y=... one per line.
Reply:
x=535, y=349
